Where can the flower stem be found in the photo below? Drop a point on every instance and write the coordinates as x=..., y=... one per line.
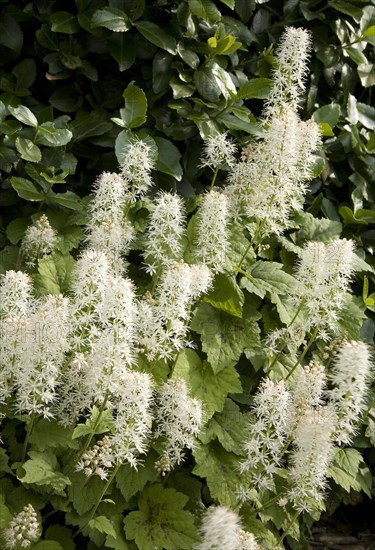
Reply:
x=105, y=489
x=91, y=435
x=305, y=350
x=289, y=526
x=214, y=178
x=29, y=430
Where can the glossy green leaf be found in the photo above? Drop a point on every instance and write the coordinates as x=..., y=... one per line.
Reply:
x=47, y=134
x=111, y=18
x=329, y=114
x=16, y=229
x=157, y=36
x=28, y=150
x=168, y=158
x=205, y=9
x=24, y=115
x=26, y=189
x=257, y=88
x=135, y=111
x=11, y=35
x=64, y=22
x=122, y=49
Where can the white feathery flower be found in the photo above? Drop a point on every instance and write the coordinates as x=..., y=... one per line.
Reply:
x=267, y=432
x=271, y=183
x=350, y=376
x=220, y=530
x=290, y=72
x=15, y=293
x=180, y=285
x=165, y=230
x=113, y=349
x=178, y=419
x=39, y=239
x=38, y=370
x=136, y=167
x=90, y=280
x=23, y=529
x=212, y=231
x=76, y=391
x=218, y=151
x=323, y=274
x=107, y=229
x=308, y=388
x=201, y=280
x=311, y=458
x=132, y=418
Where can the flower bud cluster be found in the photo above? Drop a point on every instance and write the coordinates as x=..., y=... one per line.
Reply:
x=23, y=529
x=97, y=460
x=39, y=239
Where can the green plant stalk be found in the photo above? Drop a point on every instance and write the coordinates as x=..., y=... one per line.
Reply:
x=105, y=489
x=29, y=430
x=214, y=178
x=289, y=526
x=290, y=324
x=90, y=436
x=305, y=350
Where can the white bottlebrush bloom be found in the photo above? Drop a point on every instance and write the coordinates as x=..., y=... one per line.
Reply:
x=323, y=273
x=310, y=459
x=165, y=230
x=132, y=418
x=270, y=184
x=108, y=229
x=350, y=376
x=180, y=285
x=220, y=529
x=23, y=529
x=37, y=373
x=113, y=350
x=97, y=460
x=308, y=388
x=267, y=432
x=218, y=151
x=39, y=239
x=15, y=293
x=76, y=391
x=290, y=72
x=90, y=280
x=178, y=420
x=136, y=167
x=212, y=231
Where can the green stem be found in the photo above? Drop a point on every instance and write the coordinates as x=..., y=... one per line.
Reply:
x=305, y=350
x=290, y=324
x=28, y=434
x=267, y=504
x=105, y=489
x=214, y=178
x=90, y=436
x=367, y=411
x=290, y=524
